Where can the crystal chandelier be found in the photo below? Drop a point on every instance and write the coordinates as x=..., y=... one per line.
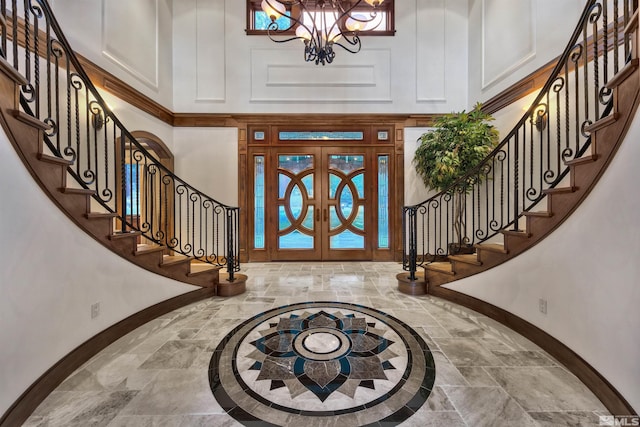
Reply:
x=321, y=24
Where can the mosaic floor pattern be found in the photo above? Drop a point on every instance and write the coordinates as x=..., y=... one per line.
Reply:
x=159, y=375
x=349, y=362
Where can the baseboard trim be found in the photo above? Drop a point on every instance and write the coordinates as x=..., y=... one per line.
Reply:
x=603, y=389
x=18, y=413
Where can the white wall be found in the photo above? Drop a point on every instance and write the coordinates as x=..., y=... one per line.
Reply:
x=510, y=39
x=130, y=39
x=51, y=274
x=218, y=68
x=588, y=272
x=207, y=158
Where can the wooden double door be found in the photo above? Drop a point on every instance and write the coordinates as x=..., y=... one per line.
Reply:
x=327, y=203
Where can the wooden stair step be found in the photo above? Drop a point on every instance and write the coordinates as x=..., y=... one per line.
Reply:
x=54, y=160
x=471, y=259
x=541, y=214
x=441, y=267
x=582, y=160
x=559, y=190
x=492, y=247
x=100, y=215
x=81, y=191
x=602, y=123
x=12, y=73
x=144, y=249
x=169, y=260
x=624, y=73
x=516, y=233
x=30, y=120
x=127, y=235
x=198, y=268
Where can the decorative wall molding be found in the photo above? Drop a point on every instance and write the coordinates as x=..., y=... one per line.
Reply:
x=430, y=51
x=278, y=75
x=127, y=60
x=508, y=64
x=210, y=57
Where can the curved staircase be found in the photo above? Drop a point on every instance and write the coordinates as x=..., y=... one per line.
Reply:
x=561, y=197
x=98, y=207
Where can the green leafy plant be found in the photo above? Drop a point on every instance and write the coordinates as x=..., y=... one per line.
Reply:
x=458, y=143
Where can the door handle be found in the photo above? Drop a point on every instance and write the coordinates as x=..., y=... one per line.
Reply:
x=318, y=215
x=325, y=214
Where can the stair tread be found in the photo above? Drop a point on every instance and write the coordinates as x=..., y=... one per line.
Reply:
x=557, y=190
x=30, y=120
x=601, y=123
x=99, y=215
x=71, y=190
x=466, y=259
x=54, y=159
x=145, y=248
x=492, y=247
x=623, y=73
x=15, y=75
x=175, y=259
x=516, y=233
x=127, y=235
x=441, y=267
x=198, y=267
x=542, y=214
x=582, y=160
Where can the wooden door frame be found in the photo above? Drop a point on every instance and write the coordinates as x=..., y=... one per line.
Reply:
x=257, y=134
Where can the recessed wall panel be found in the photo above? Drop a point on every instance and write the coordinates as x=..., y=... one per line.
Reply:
x=508, y=37
x=130, y=37
x=210, y=58
x=280, y=75
x=430, y=50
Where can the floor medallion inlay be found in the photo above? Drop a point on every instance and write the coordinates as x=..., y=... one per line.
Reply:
x=321, y=359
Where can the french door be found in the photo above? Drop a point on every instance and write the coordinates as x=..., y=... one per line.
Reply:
x=325, y=203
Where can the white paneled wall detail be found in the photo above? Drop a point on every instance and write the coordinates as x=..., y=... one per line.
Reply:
x=430, y=52
x=210, y=52
x=130, y=38
x=281, y=75
x=508, y=37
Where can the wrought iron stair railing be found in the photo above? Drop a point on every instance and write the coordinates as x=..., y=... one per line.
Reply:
x=127, y=179
x=531, y=158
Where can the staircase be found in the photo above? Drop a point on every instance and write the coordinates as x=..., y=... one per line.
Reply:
x=54, y=131
x=551, y=201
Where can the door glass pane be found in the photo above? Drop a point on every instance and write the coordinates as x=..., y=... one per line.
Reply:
x=347, y=240
x=334, y=220
x=383, y=202
x=283, y=183
x=358, y=222
x=295, y=240
x=307, y=181
x=334, y=181
x=308, y=220
x=321, y=136
x=295, y=163
x=346, y=201
x=295, y=202
x=346, y=163
x=258, y=201
x=358, y=181
x=283, y=220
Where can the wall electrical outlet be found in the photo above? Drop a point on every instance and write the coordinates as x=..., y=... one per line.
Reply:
x=95, y=310
x=542, y=305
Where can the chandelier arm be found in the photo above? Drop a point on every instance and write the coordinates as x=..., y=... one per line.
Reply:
x=356, y=45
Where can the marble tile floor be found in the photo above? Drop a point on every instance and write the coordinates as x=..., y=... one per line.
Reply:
x=486, y=375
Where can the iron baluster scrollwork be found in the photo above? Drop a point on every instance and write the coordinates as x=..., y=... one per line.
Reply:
x=532, y=157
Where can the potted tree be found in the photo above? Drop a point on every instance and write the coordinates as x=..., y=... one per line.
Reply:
x=456, y=145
